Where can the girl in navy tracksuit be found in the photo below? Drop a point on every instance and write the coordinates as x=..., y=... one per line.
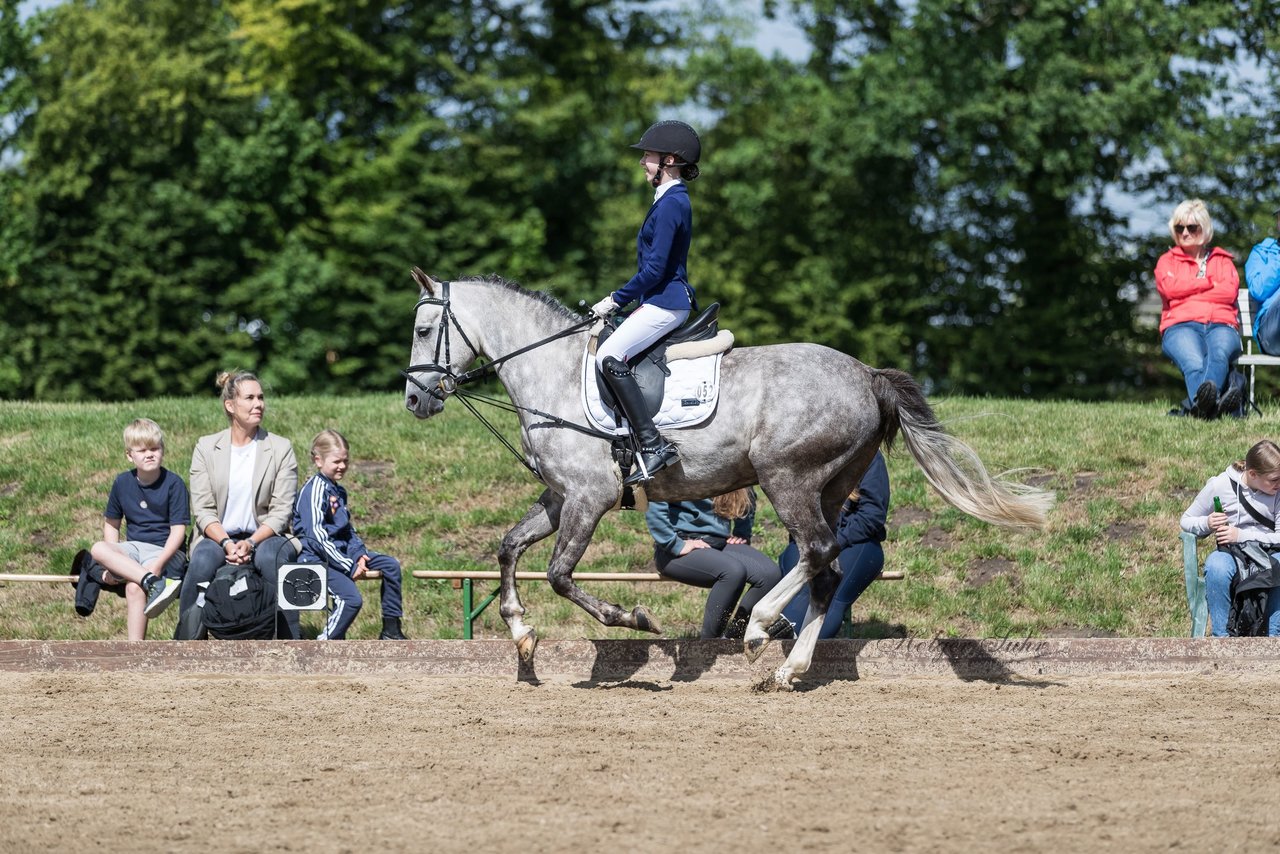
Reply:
x=671, y=151
x=323, y=524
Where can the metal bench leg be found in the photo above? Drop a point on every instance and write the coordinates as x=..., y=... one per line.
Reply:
x=471, y=611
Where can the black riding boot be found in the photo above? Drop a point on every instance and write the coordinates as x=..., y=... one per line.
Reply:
x=655, y=452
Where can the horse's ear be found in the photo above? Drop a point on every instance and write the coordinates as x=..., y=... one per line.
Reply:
x=427, y=284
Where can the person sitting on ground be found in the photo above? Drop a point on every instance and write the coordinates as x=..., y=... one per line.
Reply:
x=1199, y=327
x=860, y=530
x=243, y=482
x=1262, y=273
x=1247, y=493
x=323, y=523
x=146, y=567
x=707, y=543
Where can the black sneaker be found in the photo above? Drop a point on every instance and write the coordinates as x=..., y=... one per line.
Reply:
x=1229, y=403
x=160, y=592
x=737, y=628
x=781, y=629
x=1206, y=403
x=391, y=629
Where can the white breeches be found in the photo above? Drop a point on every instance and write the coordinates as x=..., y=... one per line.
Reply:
x=646, y=325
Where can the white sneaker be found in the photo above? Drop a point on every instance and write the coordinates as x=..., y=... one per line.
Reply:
x=160, y=593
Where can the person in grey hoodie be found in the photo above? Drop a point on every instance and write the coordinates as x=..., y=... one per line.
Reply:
x=1247, y=494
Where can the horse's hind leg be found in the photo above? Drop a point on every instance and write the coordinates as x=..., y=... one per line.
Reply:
x=540, y=522
x=578, y=523
x=809, y=524
x=801, y=654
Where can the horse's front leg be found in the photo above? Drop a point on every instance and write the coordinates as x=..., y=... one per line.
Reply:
x=578, y=523
x=540, y=522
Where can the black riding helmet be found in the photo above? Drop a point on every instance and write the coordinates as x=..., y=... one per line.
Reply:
x=672, y=137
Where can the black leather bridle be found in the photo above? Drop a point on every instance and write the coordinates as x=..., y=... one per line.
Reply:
x=452, y=382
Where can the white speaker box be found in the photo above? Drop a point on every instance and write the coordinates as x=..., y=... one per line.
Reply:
x=302, y=587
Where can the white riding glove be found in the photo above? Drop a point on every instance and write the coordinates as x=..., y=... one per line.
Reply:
x=605, y=307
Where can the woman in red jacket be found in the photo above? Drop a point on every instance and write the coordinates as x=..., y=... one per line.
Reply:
x=1199, y=329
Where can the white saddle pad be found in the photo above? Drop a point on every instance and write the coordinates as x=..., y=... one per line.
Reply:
x=688, y=399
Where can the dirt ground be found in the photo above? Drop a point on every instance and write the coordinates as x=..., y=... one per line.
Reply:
x=134, y=762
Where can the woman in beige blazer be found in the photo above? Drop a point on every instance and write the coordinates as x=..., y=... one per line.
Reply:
x=243, y=484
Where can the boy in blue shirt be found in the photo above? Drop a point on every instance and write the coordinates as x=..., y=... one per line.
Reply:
x=147, y=567
x=323, y=523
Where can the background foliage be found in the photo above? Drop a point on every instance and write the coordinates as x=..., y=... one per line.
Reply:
x=188, y=185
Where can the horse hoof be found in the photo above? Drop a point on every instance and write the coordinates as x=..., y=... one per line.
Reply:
x=773, y=684
x=754, y=643
x=526, y=644
x=644, y=621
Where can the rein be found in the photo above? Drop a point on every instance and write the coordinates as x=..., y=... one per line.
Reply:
x=453, y=382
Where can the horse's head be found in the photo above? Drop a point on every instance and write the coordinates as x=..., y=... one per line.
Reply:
x=436, y=357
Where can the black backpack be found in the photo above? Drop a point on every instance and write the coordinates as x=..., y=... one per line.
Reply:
x=239, y=604
x=1256, y=573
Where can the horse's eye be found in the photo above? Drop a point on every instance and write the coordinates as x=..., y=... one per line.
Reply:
x=423, y=331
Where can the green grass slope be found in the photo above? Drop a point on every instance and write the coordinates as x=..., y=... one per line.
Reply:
x=440, y=494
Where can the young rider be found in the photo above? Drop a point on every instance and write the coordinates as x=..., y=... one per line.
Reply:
x=671, y=151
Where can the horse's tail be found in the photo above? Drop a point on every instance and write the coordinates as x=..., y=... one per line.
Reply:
x=951, y=466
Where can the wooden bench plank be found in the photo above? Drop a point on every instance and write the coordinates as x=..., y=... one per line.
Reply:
x=467, y=578
x=372, y=575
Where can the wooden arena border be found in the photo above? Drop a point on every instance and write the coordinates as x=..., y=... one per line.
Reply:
x=588, y=661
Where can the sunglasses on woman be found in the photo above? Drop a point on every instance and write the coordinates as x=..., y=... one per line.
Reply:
x=1189, y=228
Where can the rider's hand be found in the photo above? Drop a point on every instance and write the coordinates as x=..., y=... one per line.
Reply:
x=605, y=307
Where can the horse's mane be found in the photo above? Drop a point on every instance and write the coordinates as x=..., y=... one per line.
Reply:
x=538, y=296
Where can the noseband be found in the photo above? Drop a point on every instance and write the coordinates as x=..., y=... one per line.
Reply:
x=448, y=383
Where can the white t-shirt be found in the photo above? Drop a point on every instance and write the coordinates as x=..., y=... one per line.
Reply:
x=239, y=518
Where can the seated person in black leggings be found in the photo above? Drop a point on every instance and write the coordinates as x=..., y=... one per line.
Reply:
x=859, y=532
x=706, y=543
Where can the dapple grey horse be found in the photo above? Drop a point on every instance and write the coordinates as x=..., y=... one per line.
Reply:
x=801, y=420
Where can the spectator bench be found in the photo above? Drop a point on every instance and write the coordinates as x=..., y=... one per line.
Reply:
x=465, y=580
x=72, y=579
x=1249, y=359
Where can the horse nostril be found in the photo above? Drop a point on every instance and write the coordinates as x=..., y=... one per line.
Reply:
x=412, y=402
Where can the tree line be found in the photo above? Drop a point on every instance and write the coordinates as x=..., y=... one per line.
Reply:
x=943, y=187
